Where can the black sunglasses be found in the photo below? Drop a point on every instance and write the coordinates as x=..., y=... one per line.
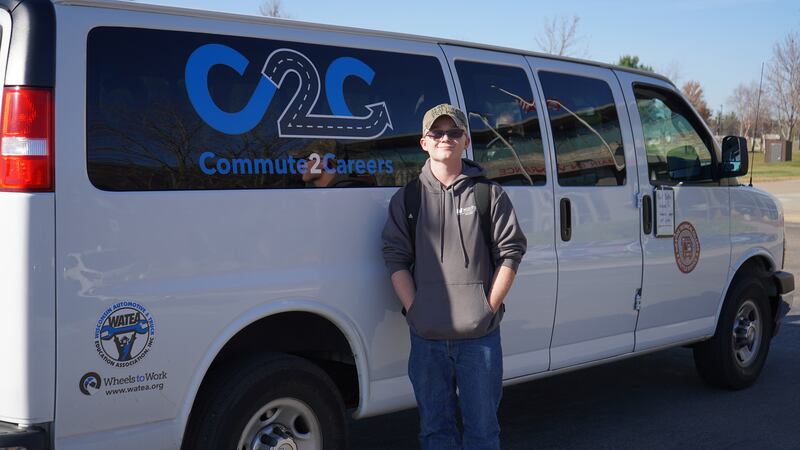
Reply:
x=453, y=133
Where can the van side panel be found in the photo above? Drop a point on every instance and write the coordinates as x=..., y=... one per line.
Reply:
x=198, y=261
x=27, y=298
x=27, y=308
x=757, y=223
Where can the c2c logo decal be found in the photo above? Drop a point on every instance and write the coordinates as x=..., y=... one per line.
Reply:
x=197, y=67
x=296, y=120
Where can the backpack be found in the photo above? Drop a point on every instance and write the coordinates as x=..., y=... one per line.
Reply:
x=413, y=197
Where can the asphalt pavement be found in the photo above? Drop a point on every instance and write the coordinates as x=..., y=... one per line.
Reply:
x=656, y=401
x=788, y=192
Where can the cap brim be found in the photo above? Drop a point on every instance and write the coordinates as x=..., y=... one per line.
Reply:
x=456, y=121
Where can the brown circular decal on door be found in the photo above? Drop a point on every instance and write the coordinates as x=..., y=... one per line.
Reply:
x=687, y=247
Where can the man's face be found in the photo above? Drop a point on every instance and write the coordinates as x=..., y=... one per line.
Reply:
x=447, y=148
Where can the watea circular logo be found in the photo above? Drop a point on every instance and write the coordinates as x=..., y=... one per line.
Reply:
x=687, y=247
x=124, y=334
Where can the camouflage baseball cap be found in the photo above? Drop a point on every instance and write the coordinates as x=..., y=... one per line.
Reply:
x=444, y=110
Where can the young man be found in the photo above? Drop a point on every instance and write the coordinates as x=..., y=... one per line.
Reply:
x=454, y=299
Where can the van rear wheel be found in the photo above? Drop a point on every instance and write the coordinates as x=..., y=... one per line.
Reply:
x=734, y=357
x=273, y=401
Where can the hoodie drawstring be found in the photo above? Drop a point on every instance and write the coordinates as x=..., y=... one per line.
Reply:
x=460, y=233
x=441, y=226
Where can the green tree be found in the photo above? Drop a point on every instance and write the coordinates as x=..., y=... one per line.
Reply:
x=633, y=62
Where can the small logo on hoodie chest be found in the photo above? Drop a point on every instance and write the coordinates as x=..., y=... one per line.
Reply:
x=466, y=211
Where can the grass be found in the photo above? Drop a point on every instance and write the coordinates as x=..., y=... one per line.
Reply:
x=773, y=171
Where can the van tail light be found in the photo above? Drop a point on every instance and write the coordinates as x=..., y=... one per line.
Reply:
x=26, y=140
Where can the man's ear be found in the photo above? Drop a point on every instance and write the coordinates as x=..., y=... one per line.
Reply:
x=422, y=143
x=467, y=142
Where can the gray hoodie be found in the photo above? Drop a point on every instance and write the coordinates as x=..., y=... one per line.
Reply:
x=453, y=268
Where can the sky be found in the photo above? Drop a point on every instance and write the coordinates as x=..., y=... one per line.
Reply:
x=720, y=43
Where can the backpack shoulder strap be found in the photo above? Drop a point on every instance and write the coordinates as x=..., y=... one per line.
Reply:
x=412, y=197
x=484, y=205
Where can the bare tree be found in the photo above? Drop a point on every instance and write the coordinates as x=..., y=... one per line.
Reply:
x=673, y=70
x=273, y=8
x=783, y=79
x=745, y=103
x=694, y=93
x=560, y=37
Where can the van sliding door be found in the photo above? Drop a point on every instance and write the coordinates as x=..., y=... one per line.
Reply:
x=597, y=241
x=496, y=90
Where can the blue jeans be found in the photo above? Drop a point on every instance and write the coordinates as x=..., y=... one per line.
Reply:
x=474, y=366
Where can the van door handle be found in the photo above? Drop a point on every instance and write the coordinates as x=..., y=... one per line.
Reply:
x=566, y=220
x=647, y=214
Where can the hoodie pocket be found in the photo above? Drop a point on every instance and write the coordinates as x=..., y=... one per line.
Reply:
x=450, y=311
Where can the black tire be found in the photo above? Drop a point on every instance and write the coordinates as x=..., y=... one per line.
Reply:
x=233, y=396
x=717, y=360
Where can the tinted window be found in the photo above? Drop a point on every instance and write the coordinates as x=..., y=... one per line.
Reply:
x=175, y=110
x=586, y=133
x=677, y=149
x=506, y=138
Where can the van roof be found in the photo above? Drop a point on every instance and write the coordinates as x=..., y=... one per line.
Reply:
x=133, y=6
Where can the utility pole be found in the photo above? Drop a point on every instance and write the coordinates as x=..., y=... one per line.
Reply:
x=719, y=122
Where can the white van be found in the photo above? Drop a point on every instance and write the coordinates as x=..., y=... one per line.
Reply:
x=192, y=204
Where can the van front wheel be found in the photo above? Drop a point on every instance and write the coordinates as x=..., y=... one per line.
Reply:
x=269, y=402
x=734, y=357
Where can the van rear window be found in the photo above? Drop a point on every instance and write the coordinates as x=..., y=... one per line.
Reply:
x=169, y=110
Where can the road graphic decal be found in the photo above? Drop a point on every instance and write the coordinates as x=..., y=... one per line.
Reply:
x=297, y=119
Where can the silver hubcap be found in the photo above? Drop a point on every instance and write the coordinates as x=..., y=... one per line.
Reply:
x=747, y=329
x=282, y=424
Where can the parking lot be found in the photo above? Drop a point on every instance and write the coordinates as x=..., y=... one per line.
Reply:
x=654, y=401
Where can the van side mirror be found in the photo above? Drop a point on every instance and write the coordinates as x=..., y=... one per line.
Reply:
x=734, y=157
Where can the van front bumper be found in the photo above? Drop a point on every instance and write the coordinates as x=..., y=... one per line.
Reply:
x=14, y=437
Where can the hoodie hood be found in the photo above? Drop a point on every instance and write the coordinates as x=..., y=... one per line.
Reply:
x=469, y=169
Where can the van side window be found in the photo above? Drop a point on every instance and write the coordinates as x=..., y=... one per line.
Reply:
x=226, y=112
x=503, y=121
x=586, y=133
x=677, y=149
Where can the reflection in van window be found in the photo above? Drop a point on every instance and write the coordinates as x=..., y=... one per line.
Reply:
x=503, y=121
x=586, y=133
x=174, y=110
x=676, y=151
